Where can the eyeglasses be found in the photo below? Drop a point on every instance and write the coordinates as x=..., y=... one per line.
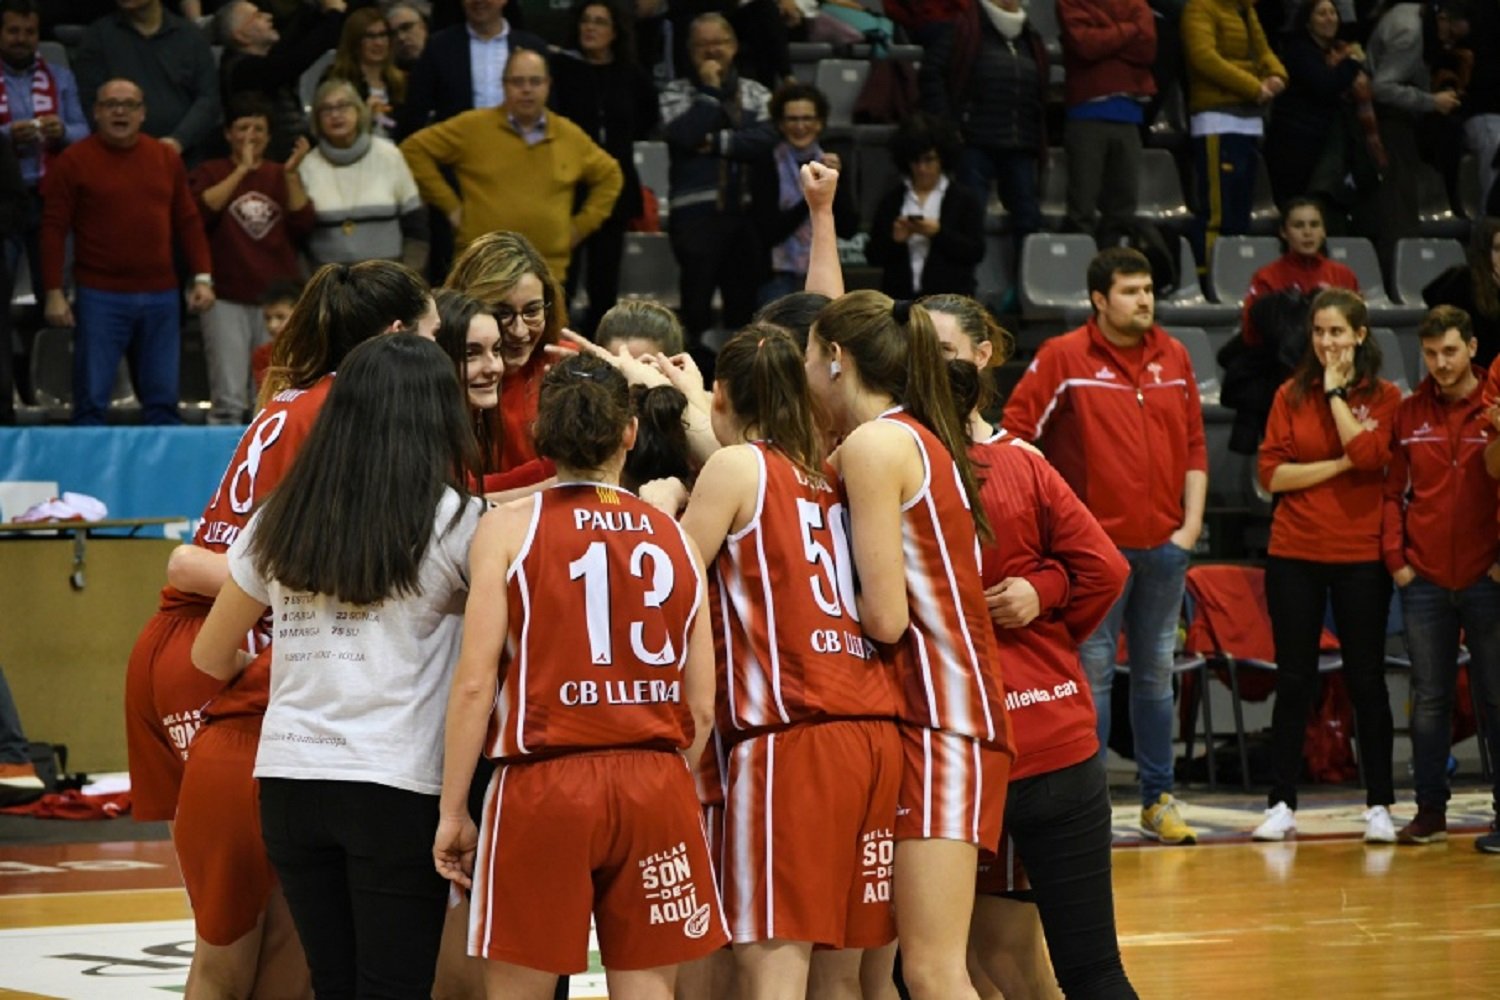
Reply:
x=524, y=81
x=337, y=108
x=121, y=104
x=533, y=314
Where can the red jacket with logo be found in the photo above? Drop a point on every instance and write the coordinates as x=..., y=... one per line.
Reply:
x=1338, y=520
x=1124, y=427
x=1039, y=527
x=1440, y=504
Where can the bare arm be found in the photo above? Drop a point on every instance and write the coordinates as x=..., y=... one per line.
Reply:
x=218, y=650
x=698, y=672
x=875, y=463
x=727, y=482
x=196, y=570
x=824, y=272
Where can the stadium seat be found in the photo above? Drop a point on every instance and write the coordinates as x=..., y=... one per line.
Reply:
x=54, y=53
x=1234, y=261
x=1188, y=305
x=842, y=80
x=1159, y=197
x=1393, y=362
x=1359, y=254
x=1435, y=215
x=1418, y=261
x=653, y=166
x=1205, y=365
x=70, y=35
x=805, y=57
x=648, y=268
x=1054, y=276
x=1043, y=17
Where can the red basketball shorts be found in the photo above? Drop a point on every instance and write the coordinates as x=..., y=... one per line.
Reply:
x=618, y=834
x=164, y=694
x=808, y=819
x=219, y=845
x=952, y=788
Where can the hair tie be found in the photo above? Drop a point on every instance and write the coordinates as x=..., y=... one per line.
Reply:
x=901, y=311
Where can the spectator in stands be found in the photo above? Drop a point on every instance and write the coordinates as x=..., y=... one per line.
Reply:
x=408, y=34
x=988, y=74
x=1481, y=107
x=805, y=22
x=599, y=86
x=1274, y=321
x=1232, y=76
x=519, y=167
x=40, y=115
x=1139, y=462
x=276, y=307
x=1324, y=456
x=14, y=206
x=761, y=33
x=462, y=66
x=1475, y=288
x=169, y=59
x=256, y=211
x=367, y=202
x=1109, y=47
x=124, y=198
x=924, y=20
x=1322, y=138
x=365, y=59
x=799, y=111
x=261, y=60
x=1409, y=42
x=716, y=124
x=1439, y=543
x=927, y=235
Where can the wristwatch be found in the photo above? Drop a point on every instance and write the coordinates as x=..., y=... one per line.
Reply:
x=1342, y=392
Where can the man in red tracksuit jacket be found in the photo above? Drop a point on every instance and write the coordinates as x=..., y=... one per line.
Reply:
x=1439, y=540
x=1114, y=405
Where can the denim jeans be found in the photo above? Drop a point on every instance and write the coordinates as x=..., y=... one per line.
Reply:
x=1148, y=610
x=142, y=327
x=1433, y=618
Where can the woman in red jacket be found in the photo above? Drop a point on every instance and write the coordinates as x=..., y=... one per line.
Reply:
x=1324, y=456
x=1050, y=575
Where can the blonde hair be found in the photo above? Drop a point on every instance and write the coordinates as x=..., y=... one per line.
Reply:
x=643, y=318
x=328, y=88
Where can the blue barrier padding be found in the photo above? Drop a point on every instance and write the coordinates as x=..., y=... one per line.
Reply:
x=136, y=471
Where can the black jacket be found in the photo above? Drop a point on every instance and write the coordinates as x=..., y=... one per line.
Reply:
x=442, y=83
x=955, y=253
x=993, y=89
x=775, y=224
x=616, y=105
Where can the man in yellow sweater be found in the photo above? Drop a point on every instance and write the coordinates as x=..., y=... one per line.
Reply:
x=518, y=167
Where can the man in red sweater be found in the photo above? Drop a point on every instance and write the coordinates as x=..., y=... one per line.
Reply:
x=124, y=197
x=1439, y=540
x=1114, y=405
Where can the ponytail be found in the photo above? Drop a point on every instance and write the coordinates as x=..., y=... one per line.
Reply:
x=582, y=411
x=896, y=350
x=762, y=372
x=661, y=446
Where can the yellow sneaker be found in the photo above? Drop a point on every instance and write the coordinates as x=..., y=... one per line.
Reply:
x=1163, y=822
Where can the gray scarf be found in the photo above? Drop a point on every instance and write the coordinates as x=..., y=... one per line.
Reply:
x=343, y=157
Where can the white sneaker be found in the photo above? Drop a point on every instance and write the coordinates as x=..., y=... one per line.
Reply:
x=1281, y=819
x=1378, y=826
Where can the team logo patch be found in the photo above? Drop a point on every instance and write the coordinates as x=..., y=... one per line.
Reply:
x=697, y=925
x=255, y=213
x=672, y=892
x=607, y=495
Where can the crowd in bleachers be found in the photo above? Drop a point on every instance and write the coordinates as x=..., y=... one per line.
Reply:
x=1114, y=120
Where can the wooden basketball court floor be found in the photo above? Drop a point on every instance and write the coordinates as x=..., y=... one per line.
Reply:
x=1320, y=919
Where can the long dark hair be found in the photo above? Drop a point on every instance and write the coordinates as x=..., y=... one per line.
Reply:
x=341, y=307
x=582, y=411
x=1482, y=268
x=623, y=47
x=661, y=444
x=761, y=371
x=394, y=428
x=456, y=310
x=1307, y=380
x=896, y=351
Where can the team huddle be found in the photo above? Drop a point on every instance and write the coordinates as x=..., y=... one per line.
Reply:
x=759, y=702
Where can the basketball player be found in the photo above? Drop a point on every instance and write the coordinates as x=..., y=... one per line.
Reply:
x=587, y=601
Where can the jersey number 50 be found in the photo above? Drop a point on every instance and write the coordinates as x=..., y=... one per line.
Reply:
x=833, y=583
x=593, y=567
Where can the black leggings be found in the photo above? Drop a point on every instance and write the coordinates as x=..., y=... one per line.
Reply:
x=355, y=862
x=1061, y=824
x=1297, y=591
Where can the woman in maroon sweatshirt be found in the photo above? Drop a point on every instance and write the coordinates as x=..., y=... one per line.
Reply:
x=1324, y=456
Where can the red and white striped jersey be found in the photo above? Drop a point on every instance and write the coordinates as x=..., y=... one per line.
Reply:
x=602, y=599
x=786, y=630
x=947, y=673
x=261, y=461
